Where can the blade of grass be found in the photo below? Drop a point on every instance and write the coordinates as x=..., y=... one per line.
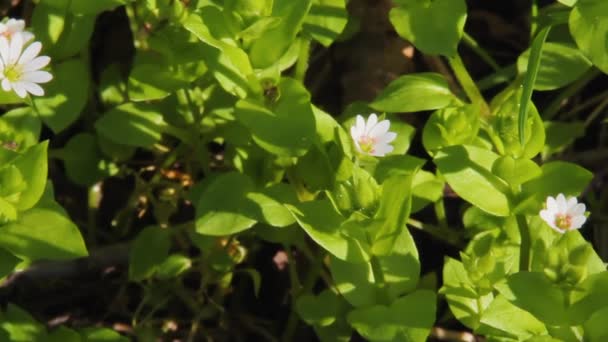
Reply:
x=530, y=79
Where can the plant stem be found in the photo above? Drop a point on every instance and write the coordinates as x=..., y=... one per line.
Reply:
x=555, y=105
x=302, y=64
x=444, y=234
x=581, y=107
x=440, y=213
x=524, y=251
x=468, y=85
x=309, y=283
x=597, y=111
x=533, y=16
x=472, y=43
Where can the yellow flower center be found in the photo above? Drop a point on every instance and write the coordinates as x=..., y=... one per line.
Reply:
x=367, y=144
x=563, y=221
x=13, y=72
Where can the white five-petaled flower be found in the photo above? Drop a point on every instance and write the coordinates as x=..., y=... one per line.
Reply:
x=372, y=137
x=20, y=68
x=563, y=215
x=12, y=26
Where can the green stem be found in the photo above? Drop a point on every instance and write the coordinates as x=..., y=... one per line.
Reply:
x=440, y=213
x=585, y=105
x=309, y=283
x=597, y=111
x=555, y=105
x=302, y=64
x=468, y=85
x=443, y=234
x=533, y=16
x=472, y=43
x=524, y=251
x=94, y=199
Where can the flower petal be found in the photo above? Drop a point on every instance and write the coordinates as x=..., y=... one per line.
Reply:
x=380, y=129
x=387, y=138
x=372, y=120
x=552, y=204
x=571, y=202
x=30, y=53
x=19, y=89
x=6, y=85
x=4, y=49
x=37, y=77
x=548, y=216
x=561, y=203
x=578, y=221
x=382, y=150
x=15, y=48
x=578, y=209
x=33, y=88
x=36, y=64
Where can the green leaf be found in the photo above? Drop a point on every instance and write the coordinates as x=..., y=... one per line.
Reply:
x=426, y=189
x=393, y=212
x=228, y=64
x=48, y=21
x=318, y=310
x=589, y=297
x=8, y=262
x=451, y=126
x=172, y=62
x=434, y=27
x=409, y=318
x=559, y=65
x=464, y=301
x=149, y=250
x=589, y=28
x=132, y=124
x=76, y=34
x=101, y=335
x=63, y=334
x=515, y=171
x=82, y=159
x=326, y=20
x=286, y=127
x=560, y=135
x=413, y=93
x=535, y=293
x=530, y=79
x=400, y=270
x=65, y=96
x=468, y=171
x=270, y=201
x=327, y=227
x=97, y=6
x=259, y=27
x=269, y=48
x=512, y=320
x=20, y=326
x=42, y=233
x=33, y=167
x=173, y=266
x=405, y=132
x=596, y=329
x=223, y=208
x=504, y=126
x=20, y=126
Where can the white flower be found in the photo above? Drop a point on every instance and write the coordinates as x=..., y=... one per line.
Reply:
x=20, y=69
x=372, y=137
x=563, y=215
x=12, y=26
